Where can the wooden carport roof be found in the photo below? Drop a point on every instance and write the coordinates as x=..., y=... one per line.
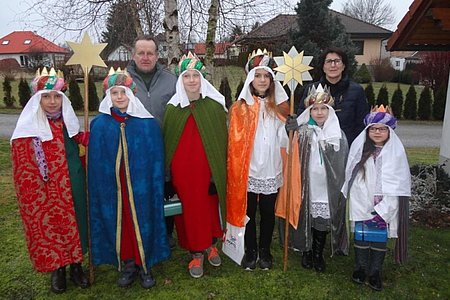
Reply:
x=426, y=26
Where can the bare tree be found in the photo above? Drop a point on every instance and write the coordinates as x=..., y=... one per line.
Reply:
x=376, y=12
x=213, y=13
x=172, y=32
x=73, y=17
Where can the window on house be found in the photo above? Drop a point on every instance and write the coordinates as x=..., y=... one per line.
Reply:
x=22, y=60
x=397, y=63
x=164, y=48
x=359, y=47
x=5, y=42
x=27, y=42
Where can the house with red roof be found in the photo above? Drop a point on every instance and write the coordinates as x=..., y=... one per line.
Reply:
x=31, y=50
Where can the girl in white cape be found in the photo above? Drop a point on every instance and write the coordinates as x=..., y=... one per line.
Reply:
x=377, y=185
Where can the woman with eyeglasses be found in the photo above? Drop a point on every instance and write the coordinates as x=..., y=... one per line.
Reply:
x=350, y=100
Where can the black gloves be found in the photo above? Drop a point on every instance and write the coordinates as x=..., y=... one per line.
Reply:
x=168, y=190
x=291, y=123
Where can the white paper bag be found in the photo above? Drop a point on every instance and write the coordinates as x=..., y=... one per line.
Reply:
x=233, y=243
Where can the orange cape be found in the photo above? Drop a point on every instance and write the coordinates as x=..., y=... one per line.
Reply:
x=241, y=135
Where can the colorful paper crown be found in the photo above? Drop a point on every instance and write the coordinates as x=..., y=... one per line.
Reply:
x=260, y=58
x=318, y=95
x=190, y=62
x=119, y=77
x=381, y=115
x=48, y=81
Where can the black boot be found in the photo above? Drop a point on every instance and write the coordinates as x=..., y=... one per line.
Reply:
x=361, y=264
x=147, y=279
x=128, y=274
x=265, y=259
x=319, y=238
x=58, y=281
x=249, y=260
x=376, y=265
x=78, y=276
x=307, y=260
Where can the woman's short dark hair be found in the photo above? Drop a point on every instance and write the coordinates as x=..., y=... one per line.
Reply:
x=336, y=50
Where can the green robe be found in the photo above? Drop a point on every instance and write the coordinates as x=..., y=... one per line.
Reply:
x=211, y=120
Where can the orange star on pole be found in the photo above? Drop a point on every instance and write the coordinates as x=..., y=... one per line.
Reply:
x=86, y=53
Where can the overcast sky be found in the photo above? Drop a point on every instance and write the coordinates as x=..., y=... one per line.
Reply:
x=12, y=15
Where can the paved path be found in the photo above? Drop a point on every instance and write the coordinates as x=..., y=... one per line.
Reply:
x=412, y=134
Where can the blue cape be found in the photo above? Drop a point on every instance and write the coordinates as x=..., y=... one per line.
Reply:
x=146, y=164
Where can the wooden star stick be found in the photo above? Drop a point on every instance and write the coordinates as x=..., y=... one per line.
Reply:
x=87, y=55
x=293, y=69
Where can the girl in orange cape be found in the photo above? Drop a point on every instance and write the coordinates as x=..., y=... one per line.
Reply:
x=254, y=170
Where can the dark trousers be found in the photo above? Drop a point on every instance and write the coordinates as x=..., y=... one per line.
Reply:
x=169, y=225
x=266, y=224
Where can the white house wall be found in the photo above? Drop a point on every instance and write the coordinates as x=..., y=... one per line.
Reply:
x=398, y=63
x=48, y=59
x=444, y=154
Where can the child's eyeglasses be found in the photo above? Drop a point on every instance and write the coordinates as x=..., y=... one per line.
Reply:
x=380, y=129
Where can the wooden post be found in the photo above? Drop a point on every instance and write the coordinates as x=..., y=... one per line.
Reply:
x=288, y=189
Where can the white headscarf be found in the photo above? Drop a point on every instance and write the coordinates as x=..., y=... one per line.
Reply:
x=396, y=177
x=330, y=132
x=206, y=90
x=33, y=121
x=135, y=107
x=246, y=94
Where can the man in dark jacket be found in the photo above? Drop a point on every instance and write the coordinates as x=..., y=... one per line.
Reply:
x=155, y=87
x=350, y=103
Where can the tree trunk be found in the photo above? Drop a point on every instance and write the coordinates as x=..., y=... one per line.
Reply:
x=136, y=20
x=213, y=13
x=172, y=33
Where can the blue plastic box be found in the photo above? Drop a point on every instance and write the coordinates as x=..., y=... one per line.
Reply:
x=366, y=233
x=172, y=206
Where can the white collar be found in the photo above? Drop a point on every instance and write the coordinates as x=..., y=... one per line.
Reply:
x=33, y=121
x=206, y=90
x=135, y=107
x=330, y=132
x=246, y=94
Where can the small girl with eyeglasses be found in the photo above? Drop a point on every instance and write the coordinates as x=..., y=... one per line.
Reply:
x=377, y=185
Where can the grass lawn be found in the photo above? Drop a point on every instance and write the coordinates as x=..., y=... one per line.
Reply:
x=234, y=74
x=392, y=86
x=425, y=276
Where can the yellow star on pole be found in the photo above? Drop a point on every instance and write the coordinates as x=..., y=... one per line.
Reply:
x=86, y=53
x=293, y=68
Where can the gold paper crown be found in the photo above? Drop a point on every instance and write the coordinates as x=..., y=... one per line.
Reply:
x=258, y=53
x=52, y=72
x=118, y=71
x=381, y=108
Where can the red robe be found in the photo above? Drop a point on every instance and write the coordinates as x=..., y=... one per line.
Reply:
x=46, y=208
x=200, y=222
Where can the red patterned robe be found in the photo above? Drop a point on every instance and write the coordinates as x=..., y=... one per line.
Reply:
x=47, y=208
